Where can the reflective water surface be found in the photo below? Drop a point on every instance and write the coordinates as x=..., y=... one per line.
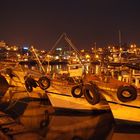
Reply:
x=35, y=119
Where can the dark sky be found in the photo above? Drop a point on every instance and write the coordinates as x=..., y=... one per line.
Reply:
x=41, y=22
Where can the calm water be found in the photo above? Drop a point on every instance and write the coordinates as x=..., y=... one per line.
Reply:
x=40, y=122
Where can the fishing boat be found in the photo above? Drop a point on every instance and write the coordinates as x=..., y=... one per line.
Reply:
x=123, y=98
x=17, y=78
x=67, y=103
x=65, y=94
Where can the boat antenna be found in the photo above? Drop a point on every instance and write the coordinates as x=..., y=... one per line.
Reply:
x=120, y=39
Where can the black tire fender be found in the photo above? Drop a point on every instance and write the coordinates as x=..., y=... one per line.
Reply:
x=31, y=81
x=131, y=90
x=91, y=93
x=41, y=82
x=28, y=86
x=74, y=91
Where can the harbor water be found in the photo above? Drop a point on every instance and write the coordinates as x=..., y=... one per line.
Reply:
x=35, y=119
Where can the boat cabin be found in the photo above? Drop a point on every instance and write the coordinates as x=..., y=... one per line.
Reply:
x=73, y=70
x=133, y=79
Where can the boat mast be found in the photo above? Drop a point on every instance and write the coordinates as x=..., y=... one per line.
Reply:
x=120, y=39
x=120, y=44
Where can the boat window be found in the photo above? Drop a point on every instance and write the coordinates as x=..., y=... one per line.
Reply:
x=133, y=80
x=75, y=67
x=136, y=72
x=124, y=79
x=70, y=80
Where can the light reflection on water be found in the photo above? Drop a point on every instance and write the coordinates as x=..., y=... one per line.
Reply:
x=55, y=68
x=58, y=67
x=42, y=120
x=39, y=118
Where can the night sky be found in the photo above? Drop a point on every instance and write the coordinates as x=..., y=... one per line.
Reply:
x=41, y=22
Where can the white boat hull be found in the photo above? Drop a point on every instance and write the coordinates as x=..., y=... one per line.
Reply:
x=125, y=113
x=64, y=101
x=128, y=112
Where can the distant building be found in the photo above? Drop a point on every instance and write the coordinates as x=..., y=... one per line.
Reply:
x=2, y=44
x=2, y=50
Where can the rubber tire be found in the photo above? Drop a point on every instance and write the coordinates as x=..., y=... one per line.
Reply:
x=41, y=85
x=31, y=81
x=88, y=89
x=132, y=90
x=28, y=86
x=74, y=89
